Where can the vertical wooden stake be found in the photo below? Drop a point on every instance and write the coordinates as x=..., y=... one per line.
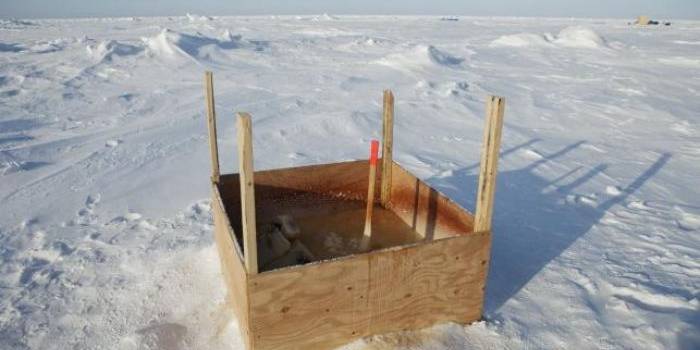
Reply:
x=367, y=235
x=495, y=108
x=245, y=166
x=387, y=146
x=211, y=121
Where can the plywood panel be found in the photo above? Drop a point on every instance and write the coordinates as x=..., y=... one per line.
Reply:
x=347, y=179
x=309, y=307
x=232, y=266
x=307, y=185
x=419, y=286
x=426, y=210
x=324, y=305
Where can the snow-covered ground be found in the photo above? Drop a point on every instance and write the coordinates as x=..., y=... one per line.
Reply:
x=105, y=228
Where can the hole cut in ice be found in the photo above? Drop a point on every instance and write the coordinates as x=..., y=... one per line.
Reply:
x=313, y=235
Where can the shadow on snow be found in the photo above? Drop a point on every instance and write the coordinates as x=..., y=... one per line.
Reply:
x=534, y=221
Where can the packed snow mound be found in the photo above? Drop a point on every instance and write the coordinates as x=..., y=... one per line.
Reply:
x=171, y=44
x=421, y=56
x=577, y=36
x=364, y=42
x=572, y=37
x=13, y=23
x=107, y=49
x=521, y=40
x=198, y=18
x=324, y=17
x=165, y=43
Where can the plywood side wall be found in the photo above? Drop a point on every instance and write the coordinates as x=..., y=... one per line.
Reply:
x=324, y=305
x=427, y=211
x=346, y=179
x=284, y=190
x=232, y=266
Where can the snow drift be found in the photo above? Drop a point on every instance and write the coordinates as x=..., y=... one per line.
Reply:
x=324, y=17
x=581, y=37
x=106, y=50
x=172, y=44
x=197, y=18
x=521, y=40
x=421, y=57
x=573, y=37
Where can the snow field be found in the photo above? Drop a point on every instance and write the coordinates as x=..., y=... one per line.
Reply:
x=105, y=226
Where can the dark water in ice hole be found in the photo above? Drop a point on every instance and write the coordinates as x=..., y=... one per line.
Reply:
x=338, y=232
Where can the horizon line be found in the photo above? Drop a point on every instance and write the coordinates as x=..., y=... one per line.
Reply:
x=331, y=15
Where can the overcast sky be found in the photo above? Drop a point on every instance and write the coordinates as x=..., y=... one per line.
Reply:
x=658, y=9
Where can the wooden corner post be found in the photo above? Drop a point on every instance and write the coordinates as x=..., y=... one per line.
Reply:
x=495, y=107
x=387, y=146
x=211, y=122
x=245, y=169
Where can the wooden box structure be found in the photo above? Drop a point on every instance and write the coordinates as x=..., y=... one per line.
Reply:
x=326, y=303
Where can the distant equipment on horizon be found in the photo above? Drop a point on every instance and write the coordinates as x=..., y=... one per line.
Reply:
x=646, y=21
x=643, y=20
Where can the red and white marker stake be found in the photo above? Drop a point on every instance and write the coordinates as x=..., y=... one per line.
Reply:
x=367, y=235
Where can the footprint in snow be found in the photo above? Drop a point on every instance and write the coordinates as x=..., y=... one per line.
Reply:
x=62, y=248
x=29, y=222
x=85, y=215
x=130, y=216
x=92, y=200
